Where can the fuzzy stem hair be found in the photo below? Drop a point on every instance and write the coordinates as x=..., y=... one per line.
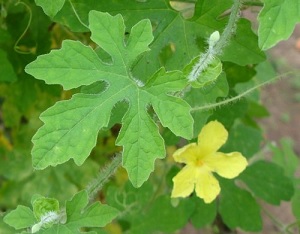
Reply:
x=241, y=95
x=103, y=176
x=215, y=49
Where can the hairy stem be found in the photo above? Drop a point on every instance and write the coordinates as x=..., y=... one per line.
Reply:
x=238, y=97
x=104, y=175
x=216, y=48
x=229, y=100
x=230, y=28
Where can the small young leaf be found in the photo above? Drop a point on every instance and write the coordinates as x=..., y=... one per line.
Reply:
x=43, y=205
x=22, y=217
x=267, y=181
x=277, y=20
x=209, y=75
x=78, y=215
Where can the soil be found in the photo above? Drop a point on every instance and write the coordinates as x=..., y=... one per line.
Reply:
x=282, y=98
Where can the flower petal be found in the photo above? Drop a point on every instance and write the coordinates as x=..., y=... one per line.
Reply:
x=186, y=154
x=184, y=182
x=212, y=136
x=207, y=186
x=226, y=165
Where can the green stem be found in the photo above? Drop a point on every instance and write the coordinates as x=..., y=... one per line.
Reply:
x=241, y=95
x=296, y=223
x=215, y=49
x=76, y=14
x=104, y=175
x=206, y=59
x=16, y=47
x=278, y=223
x=230, y=28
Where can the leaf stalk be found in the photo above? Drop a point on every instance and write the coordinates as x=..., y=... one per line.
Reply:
x=103, y=177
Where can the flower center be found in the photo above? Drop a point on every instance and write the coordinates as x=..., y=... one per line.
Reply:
x=199, y=163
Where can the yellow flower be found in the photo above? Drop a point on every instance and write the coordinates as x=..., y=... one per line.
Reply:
x=201, y=160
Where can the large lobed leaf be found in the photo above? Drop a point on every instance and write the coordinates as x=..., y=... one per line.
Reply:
x=70, y=127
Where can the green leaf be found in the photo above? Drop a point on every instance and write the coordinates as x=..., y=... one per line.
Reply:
x=74, y=60
x=245, y=46
x=208, y=16
x=50, y=7
x=22, y=217
x=6, y=69
x=167, y=220
x=238, y=208
x=71, y=127
x=5, y=228
x=243, y=139
x=95, y=215
x=204, y=214
x=165, y=20
x=296, y=199
x=209, y=75
x=79, y=215
x=60, y=182
x=202, y=100
x=227, y=114
x=285, y=156
x=77, y=12
x=267, y=181
x=237, y=74
x=182, y=38
x=144, y=216
x=122, y=197
x=43, y=205
x=15, y=165
x=20, y=97
x=277, y=20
